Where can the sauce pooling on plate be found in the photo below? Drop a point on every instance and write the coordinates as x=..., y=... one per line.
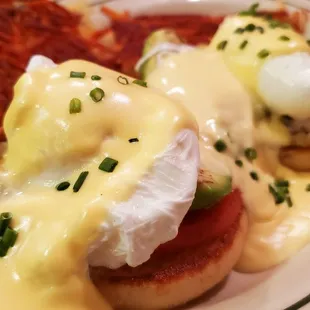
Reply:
x=68, y=159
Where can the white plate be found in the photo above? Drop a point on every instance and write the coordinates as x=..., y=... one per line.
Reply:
x=284, y=287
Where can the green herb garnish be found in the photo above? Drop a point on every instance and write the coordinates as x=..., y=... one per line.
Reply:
x=222, y=45
x=108, y=164
x=278, y=197
x=62, y=186
x=9, y=237
x=250, y=27
x=3, y=248
x=252, y=11
x=308, y=188
x=278, y=24
x=239, y=163
x=75, y=106
x=96, y=77
x=79, y=182
x=284, y=38
x=5, y=220
x=282, y=183
x=96, y=94
x=76, y=74
x=243, y=44
x=250, y=153
x=140, y=82
x=133, y=140
x=263, y=53
x=274, y=23
x=283, y=190
x=254, y=175
x=122, y=80
x=239, y=30
x=220, y=145
x=289, y=201
x=282, y=187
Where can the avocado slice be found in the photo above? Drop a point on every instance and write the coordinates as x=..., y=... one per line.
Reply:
x=159, y=36
x=210, y=189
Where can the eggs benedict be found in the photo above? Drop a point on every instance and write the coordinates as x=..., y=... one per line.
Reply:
x=275, y=69
x=86, y=148
x=98, y=195
x=233, y=87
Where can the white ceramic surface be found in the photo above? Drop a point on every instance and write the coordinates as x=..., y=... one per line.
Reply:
x=275, y=289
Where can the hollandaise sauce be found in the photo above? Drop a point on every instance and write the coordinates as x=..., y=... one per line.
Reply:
x=218, y=83
x=80, y=137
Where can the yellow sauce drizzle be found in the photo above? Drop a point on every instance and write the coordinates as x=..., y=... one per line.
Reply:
x=219, y=97
x=47, y=268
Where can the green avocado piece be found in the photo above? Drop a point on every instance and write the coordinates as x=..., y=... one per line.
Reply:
x=159, y=36
x=210, y=189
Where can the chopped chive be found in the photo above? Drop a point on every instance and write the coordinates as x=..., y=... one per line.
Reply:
x=308, y=42
x=239, y=30
x=263, y=53
x=277, y=24
x=254, y=7
x=3, y=248
x=244, y=13
x=96, y=94
x=76, y=74
x=108, y=164
x=260, y=29
x=75, y=106
x=122, y=80
x=282, y=183
x=9, y=237
x=220, y=145
x=96, y=77
x=250, y=27
x=289, y=201
x=243, y=44
x=286, y=120
x=283, y=190
x=133, y=140
x=222, y=45
x=274, y=23
x=239, y=163
x=252, y=11
x=62, y=186
x=140, y=82
x=5, y=220
x=79, y=182
x=254, y=175
x=250, y=153
x=308, y=188
x=278, y=197
x=284, y=38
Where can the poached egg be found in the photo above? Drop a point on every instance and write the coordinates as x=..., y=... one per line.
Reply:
x=66, y=125
x=224, y=85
